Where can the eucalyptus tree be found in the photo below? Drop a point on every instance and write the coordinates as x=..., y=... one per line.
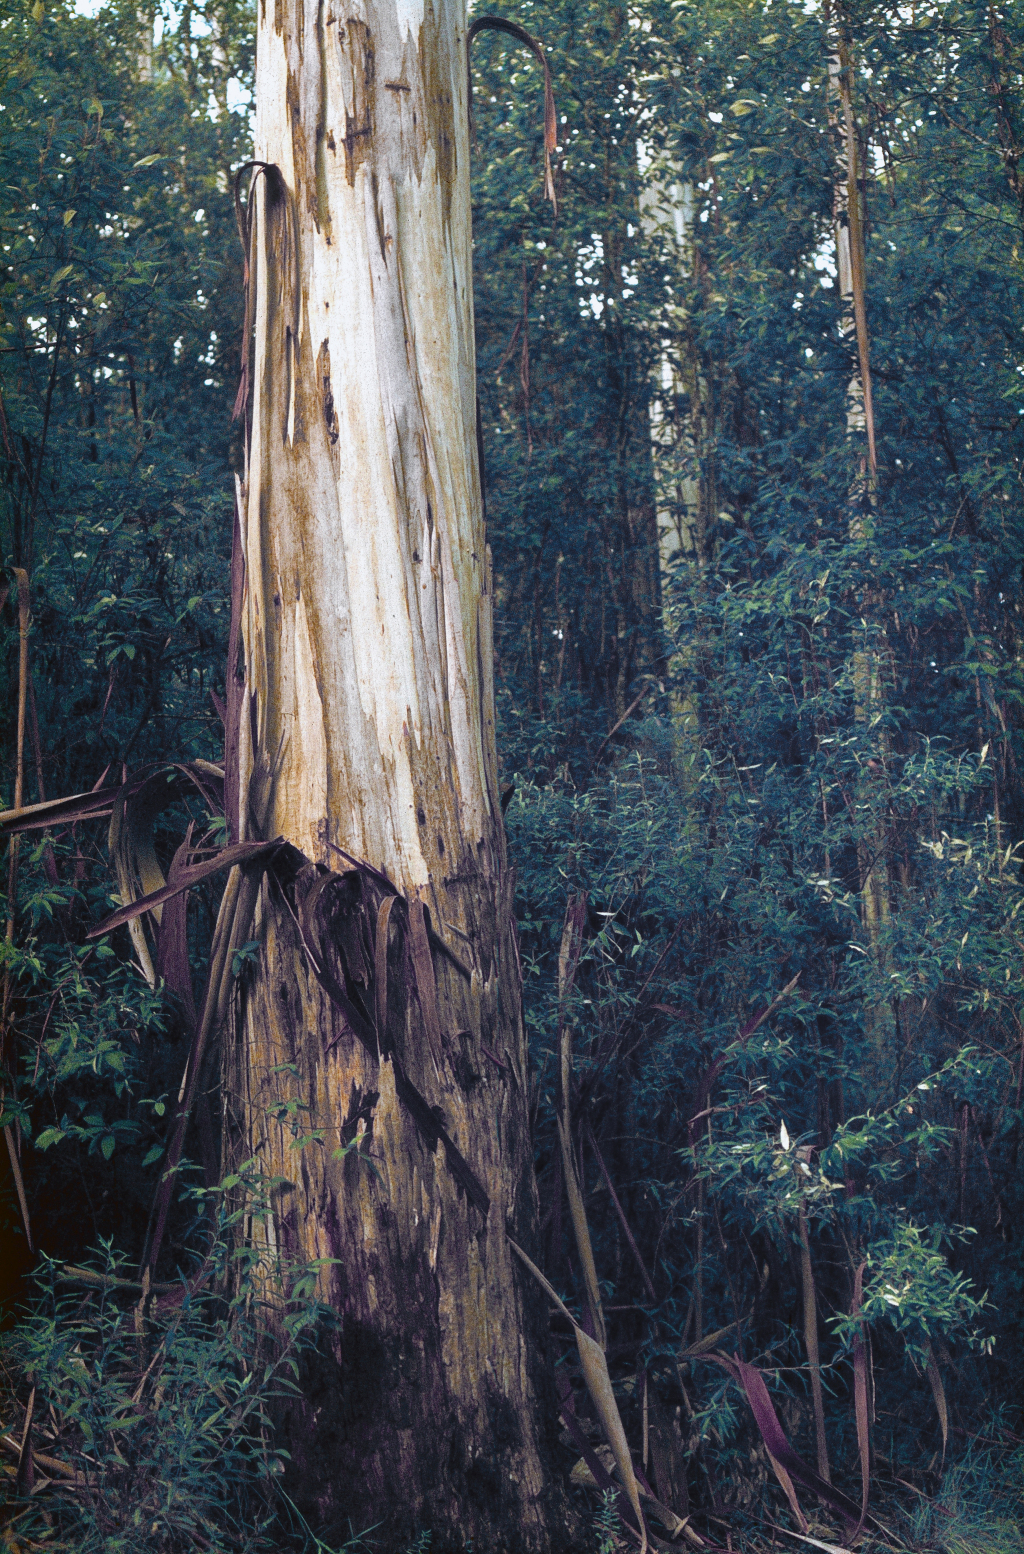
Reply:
x=386, y=999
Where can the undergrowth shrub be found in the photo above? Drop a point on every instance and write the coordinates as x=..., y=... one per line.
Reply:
x=767, y=1098
x=151, y=1409
x=979, y=1508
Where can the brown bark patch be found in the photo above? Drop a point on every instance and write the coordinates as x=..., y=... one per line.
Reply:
x=323, y=373
x=357, y=77
x=439, y=117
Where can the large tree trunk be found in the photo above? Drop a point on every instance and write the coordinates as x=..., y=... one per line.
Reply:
x=368, y=726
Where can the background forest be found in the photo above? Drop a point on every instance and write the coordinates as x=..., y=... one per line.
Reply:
x=761, y=695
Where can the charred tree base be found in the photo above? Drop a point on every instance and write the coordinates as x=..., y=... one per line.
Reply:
x=421, y=1409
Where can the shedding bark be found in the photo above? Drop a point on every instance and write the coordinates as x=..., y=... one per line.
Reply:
x=388, y=968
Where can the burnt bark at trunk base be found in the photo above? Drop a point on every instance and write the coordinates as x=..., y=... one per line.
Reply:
x=425, y=1408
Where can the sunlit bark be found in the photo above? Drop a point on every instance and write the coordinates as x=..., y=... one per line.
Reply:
x=367, y=633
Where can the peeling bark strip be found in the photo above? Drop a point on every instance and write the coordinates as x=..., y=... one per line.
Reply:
x=368, y=709
x=318, y=938
x=501, y=24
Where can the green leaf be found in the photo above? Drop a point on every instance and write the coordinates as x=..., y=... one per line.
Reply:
x=244, y=956
x=49, y=1136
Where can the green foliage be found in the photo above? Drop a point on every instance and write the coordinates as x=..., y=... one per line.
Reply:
x=562, y=378
x=606, y=1524
x=160, y=1405
x=119, y=289
x=95, y=1083
x=980, y=1507
x=120, y=313
x=830, y=789
x=912, y=1283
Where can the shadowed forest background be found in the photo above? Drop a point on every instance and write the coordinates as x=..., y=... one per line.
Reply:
x=761, y=709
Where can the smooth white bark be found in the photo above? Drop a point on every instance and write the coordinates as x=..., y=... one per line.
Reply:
x=368, y=623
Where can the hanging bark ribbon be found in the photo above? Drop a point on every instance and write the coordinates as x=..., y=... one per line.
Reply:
x=499, y=24
x=860, y=1399
x=13, y=1146
x=245, y=216
x=594, y=1368
x=19, y=759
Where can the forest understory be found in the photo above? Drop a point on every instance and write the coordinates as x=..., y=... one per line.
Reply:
x=751, y=414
